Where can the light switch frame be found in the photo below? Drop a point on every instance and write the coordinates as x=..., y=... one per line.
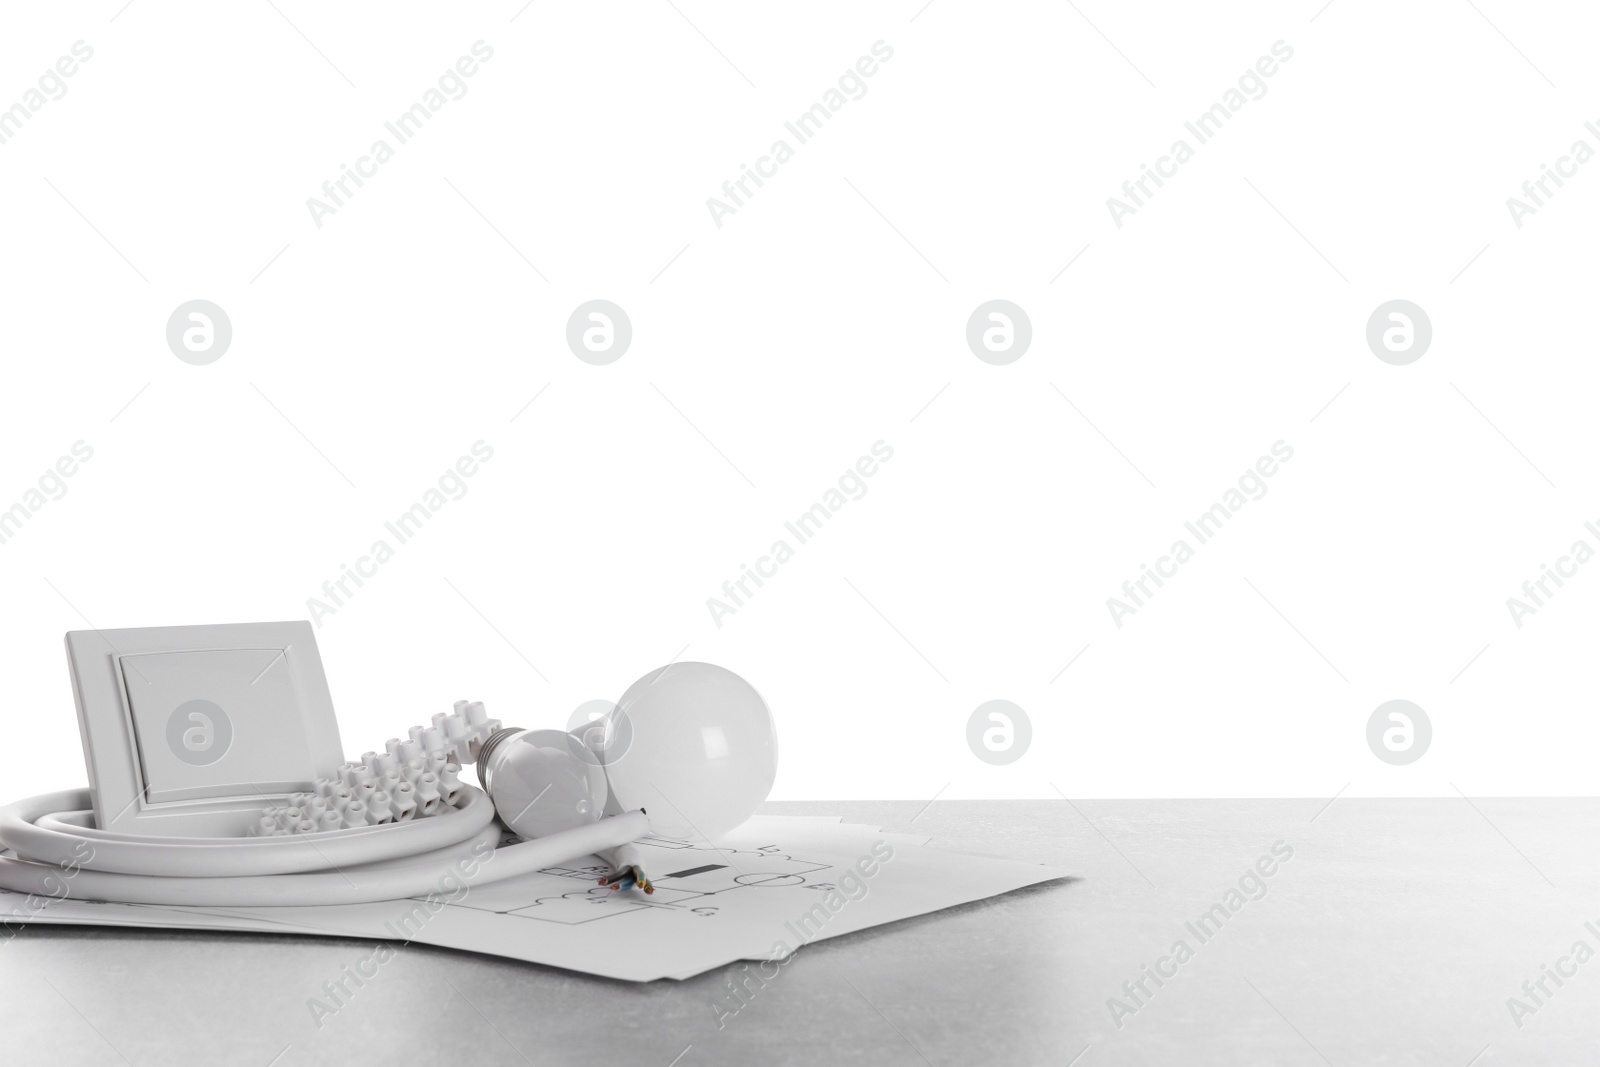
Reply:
x=110, y=741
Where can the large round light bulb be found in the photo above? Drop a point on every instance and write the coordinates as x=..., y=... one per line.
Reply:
x=695, y=746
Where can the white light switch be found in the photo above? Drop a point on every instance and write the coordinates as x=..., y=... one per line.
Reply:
x=188, y=731
x=212, y=724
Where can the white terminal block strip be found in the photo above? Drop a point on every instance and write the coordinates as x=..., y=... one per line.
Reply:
x=413, y=778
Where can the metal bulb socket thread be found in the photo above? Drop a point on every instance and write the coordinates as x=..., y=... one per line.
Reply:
x=494, y=741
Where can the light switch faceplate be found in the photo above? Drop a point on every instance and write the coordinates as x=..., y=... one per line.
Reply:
x=188, y=731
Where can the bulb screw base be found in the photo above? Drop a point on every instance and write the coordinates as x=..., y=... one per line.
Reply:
x=494, y=741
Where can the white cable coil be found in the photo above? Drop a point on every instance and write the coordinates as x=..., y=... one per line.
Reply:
x=388, y=828
x=353, y=865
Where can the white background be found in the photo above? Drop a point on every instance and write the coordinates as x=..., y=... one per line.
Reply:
x=822, y=317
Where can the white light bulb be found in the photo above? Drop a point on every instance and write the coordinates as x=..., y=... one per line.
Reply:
x=695, y=746
x=539, y=783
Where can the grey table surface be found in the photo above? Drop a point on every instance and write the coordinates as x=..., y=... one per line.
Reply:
x=1395, y=934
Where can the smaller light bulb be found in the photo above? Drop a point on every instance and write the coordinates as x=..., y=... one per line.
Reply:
x=538, y=783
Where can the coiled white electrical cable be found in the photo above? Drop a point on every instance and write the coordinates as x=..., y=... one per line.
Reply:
x=50, y=835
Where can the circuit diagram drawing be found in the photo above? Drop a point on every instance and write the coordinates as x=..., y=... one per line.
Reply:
x=692, y=879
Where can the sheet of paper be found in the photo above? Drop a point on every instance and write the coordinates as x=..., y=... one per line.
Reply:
x=773, y=885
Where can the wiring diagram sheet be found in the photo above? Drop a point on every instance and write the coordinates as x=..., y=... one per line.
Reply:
x=769, y=887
